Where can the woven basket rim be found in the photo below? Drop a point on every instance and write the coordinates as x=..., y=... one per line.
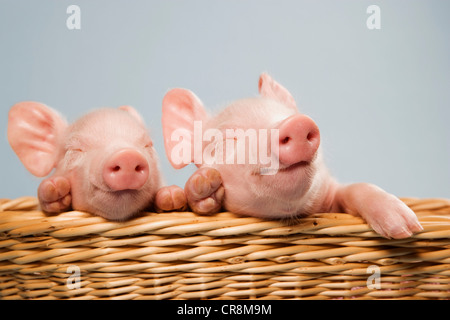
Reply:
x=21, y=217
x=182, y=255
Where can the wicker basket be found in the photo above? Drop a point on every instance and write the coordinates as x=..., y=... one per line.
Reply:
x=181, y=255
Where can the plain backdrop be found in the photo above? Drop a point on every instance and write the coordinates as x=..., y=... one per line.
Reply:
x=381, y=98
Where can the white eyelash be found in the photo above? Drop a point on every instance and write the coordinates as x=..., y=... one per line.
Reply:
x=73, y=158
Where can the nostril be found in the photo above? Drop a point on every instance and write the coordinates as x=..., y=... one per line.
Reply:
x=312, y=135
x=285, y=140
x=139, y=168
x=116, y=168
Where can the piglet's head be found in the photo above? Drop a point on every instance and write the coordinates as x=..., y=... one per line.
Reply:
x=107, y=155
x=279, y=167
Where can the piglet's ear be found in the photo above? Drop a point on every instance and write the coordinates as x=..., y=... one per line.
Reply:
x=133, y=112
x=180, y=109
x=34, y=133
x=269, y=88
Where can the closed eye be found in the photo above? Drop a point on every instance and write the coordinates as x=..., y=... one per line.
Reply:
x=149, y=145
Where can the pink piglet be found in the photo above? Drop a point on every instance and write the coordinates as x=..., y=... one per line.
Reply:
x=103, y=163
x=295, y=184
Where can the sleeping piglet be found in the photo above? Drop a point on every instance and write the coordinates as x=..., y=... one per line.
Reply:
x=295, y=184
x=104, y=162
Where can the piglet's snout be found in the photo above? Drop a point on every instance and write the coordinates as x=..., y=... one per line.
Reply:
x=126, y=169
x=299, y=140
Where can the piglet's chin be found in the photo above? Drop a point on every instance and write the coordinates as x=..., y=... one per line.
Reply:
x=282, y=195
x=290, y=181
x=116, y=205
x=268, y=210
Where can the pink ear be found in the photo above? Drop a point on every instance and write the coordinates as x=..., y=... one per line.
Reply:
x=133, y=113
x=34, y=132
x=269, y=88
x=180, y=109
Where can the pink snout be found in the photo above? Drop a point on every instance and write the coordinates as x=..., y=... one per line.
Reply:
x=299, y=140
x=126, y=169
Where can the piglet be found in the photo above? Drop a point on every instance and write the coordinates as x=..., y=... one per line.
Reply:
x=104, y=163
x=296, y=184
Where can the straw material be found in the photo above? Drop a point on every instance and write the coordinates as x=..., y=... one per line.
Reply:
x=181, y=255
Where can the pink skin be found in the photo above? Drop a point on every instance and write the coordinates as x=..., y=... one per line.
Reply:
x=301, y=186
x=104, y=163
x=126, y=169
x=298, y=132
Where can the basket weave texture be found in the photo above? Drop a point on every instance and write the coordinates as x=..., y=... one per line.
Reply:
x=181, y=255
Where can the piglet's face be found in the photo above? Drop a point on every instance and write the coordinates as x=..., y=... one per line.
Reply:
x=282, y=186
x=279, y=186
x=112, y=164
x=107, y=155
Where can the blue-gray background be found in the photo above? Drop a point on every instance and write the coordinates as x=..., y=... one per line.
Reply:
x=381, y=98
